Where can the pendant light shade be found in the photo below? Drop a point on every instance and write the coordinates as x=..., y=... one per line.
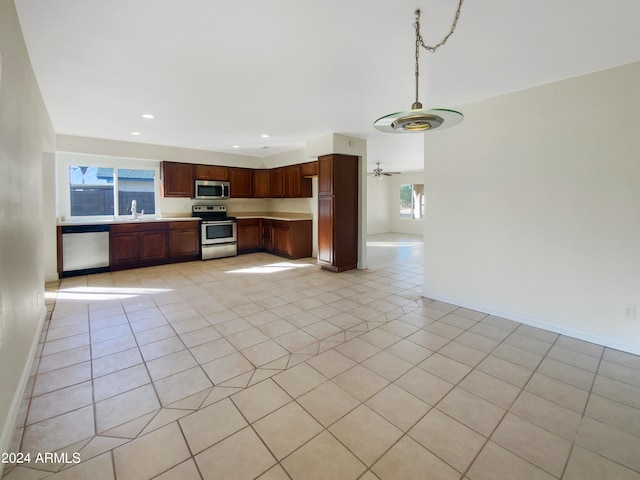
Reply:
x=419, y=119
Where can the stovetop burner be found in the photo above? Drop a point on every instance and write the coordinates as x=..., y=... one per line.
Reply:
x=211, y=213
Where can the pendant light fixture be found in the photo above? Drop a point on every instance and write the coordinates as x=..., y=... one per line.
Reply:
x=419, y=119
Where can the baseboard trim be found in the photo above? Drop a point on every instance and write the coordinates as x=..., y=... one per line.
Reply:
x=9, y=428
x=533, y=322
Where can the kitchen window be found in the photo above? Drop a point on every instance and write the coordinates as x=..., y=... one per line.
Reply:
x=99, y=191
x=412, y=201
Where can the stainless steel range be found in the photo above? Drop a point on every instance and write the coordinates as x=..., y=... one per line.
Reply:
x=219, y=233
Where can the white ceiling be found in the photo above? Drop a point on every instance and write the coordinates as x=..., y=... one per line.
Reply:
x=219, y=73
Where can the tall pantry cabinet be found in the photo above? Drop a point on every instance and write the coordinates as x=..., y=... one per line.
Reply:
x=338, y=212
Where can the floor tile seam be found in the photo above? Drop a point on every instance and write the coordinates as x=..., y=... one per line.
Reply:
x=584, y=413
x=489, y=438
x=146, y=366
x=563, y=349
x=601, y=454
x=57, y=415
x=601, y=420
x=273, y=455
x=573, y=350
x=457, y=385
x=34, y=395
x=625, y=362
x=462, y=473
x=593, y=381
x=192, y=455
x=593, y=373
x=509, y=411
x=322, y=430
x=609, y=377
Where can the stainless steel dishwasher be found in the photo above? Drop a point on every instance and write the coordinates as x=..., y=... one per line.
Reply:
x=85, y=249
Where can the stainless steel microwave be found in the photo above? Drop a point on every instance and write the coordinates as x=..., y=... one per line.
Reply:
x=211, y=190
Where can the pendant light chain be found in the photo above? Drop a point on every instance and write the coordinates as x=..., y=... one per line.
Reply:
x=417, y=119
x=432, y=49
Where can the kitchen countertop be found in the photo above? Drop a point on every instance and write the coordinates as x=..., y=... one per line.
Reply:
x=287, y=216
x=144, y=219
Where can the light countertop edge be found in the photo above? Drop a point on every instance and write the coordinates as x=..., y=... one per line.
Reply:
x=287, y=216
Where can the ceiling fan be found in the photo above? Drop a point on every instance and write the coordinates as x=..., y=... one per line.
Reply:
x=377, y=172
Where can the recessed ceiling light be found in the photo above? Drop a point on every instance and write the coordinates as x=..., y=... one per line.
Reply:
x=236, y=146
x=147, y=115
x=264, y=135
x=136, y=133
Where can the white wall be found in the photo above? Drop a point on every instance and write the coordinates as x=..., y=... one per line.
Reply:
x=378, y=208
x=533, y=207
x=27, y=140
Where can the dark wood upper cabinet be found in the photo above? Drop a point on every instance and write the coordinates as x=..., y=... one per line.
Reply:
x=292, y=181
x=309, y=169
x=294, y=185
x=277, y=190
x=261, y=184
x=212, y=172
x=240, y=180
x=177, y=179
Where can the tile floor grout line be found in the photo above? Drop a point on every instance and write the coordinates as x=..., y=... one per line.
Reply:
x=506, y=412
x=398, y=312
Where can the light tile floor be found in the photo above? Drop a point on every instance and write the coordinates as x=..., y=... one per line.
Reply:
x=257, y=367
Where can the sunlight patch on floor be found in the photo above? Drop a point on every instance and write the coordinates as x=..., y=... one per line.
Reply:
x=271, y=268
x=101, y=293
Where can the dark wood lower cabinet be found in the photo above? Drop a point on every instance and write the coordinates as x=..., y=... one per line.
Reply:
x=184, y=241
x=286, y=238
x=249, y=235
x=154, y=243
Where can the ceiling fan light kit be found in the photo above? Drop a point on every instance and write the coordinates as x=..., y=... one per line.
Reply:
x=419, y=119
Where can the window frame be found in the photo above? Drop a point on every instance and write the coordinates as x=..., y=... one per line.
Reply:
x=67, y=160
x=412, y=208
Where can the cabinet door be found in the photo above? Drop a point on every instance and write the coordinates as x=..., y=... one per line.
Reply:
x=177, y=179
x=249, y=235
x=309, y=169
x=212, y=172
x=261, y=183
x=124, y=249
x=325, y=175
x=325, y=230
x=240, y=179
x=300, y=239
x=184, y=240
x=280, y=243
x=153, y=246
x=291, y=181
x=276, y=183
x=266, y=234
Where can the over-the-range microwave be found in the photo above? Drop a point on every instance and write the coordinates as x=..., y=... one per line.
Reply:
x=211, y=190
